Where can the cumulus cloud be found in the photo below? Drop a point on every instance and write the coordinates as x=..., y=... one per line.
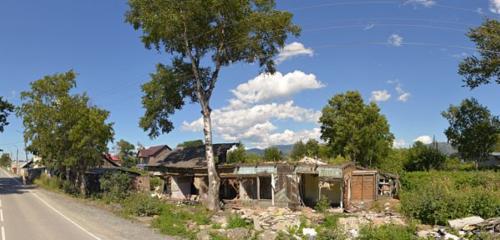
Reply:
x=269, y=86
x=395, y=40
x=403, y=95
x=425, y=3
x=424, y=139
x=399, y=143
x=292, y=50
x=495, y=6
x=380, y=96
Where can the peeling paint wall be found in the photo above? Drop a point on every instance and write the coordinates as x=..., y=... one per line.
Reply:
x=181, y=187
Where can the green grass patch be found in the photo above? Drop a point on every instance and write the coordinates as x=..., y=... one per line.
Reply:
x=388, y=231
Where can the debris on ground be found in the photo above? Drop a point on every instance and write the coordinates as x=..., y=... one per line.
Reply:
x=466, y=227
x=462, y=222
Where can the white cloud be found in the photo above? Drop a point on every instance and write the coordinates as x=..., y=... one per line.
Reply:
x=424, y=139
x=425, y=3
x=369, y=26
x=395, y=40
x=267, y=86
x=495, y=6
x=380, y=96
x=293, y=49
x=399, y=143
x=403, y=95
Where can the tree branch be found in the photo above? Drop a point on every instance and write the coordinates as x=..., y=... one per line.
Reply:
x=218, y=64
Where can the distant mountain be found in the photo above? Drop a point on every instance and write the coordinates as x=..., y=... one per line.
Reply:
x=445, y=148
x=285, y=149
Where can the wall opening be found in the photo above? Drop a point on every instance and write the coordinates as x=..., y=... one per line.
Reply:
x=248, y=188
x=309, y=190
x=181, y=187
x=265, y=188
x=228, y=188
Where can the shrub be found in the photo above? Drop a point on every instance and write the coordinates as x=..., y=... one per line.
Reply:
x=140, y=204
x=388, y=231
x=235, y=221
x=173, y=219
x=115, y=186
x=50, y=183
x=436, y=197
x=155, y=182
x=322, y=205
x=329, y=229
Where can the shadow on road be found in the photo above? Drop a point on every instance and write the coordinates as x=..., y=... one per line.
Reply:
x=11, y=186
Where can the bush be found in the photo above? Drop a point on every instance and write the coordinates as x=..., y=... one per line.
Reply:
x=140, y=204
x=173, y=220
x=329, y=229
x=155, y=182
x=322, y=205
x=50, y=183
x=388, y=231
x=115, y=186
x=438, y=196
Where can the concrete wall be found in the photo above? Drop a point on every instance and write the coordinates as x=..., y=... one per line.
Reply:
x=181, y=187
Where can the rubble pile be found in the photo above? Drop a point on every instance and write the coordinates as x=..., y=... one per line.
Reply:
x=466, y=227
x=274, y=219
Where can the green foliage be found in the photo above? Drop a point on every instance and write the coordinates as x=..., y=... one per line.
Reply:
x=62, y=128
x=173, y=220
x=191, y=143
x=252, y=158
x=436, y=196
x=141, y=204
x=455, y=164
x=155, y=182
x=298, y=150
x=237, y=155
x=115, y=186
x=329, y=229
x=395, y=162
x=322, y=205
x=387, y=231
x=486, y=68
x=222, y=31
x=236, y=221
x=126, y=152
x=311, y=149
x=5, y=109
x=272, y=154
x=473, y=130
x=338, y=160
x=355, y=130
x=5, y=160
x=497, y=145
x=50, y=183
x=422, y=158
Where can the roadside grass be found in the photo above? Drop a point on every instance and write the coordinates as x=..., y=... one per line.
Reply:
x=388, y=231
x=49, y=183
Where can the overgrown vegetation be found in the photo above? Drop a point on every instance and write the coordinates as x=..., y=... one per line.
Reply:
x=115, y=186
x=388, y=231
x=329, y=229
x=236, y=221
x=436, y=196
x=173, y=220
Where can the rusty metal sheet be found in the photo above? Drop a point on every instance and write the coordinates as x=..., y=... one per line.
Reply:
x=305, y=169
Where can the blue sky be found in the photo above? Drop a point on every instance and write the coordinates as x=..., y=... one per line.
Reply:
x=370, y=46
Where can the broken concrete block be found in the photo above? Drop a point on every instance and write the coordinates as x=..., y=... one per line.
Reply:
x=462, y=222
x=309, y=233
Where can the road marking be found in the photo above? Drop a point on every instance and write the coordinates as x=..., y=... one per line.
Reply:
x=1, y=215
x=53, y=209
x=0, y=203
x=3, y=233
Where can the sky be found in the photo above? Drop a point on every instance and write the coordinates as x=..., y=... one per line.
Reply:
x=403, y=55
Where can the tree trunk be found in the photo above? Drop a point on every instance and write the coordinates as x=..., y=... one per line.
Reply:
x=213, y=177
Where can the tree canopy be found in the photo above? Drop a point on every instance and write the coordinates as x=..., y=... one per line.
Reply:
x=5, y=160
x=355, y=130
x=202, y=37
x=473, y=129
x=272, y=154
x=127, y=153
x=421, y=157
x=5, y=109
x=68, y=133
x=485, y=68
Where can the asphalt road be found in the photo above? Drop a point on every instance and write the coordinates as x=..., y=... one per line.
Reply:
x=31, y=214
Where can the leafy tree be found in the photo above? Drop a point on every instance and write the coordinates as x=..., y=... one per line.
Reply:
x=421, y=157
x=473, y=130
x=202, y=37
x=394, y=162
x=497, y=146
x=192, y=143
x=126, y=152
x=355, y=130
x=272, y=154
x=298, y=150
x=5, y=160
x=68, y=133
x=5, y=109
x=486, y=68
x=237, y=155
x=312, y=148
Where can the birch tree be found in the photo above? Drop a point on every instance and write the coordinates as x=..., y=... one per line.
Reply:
x=201, y=37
